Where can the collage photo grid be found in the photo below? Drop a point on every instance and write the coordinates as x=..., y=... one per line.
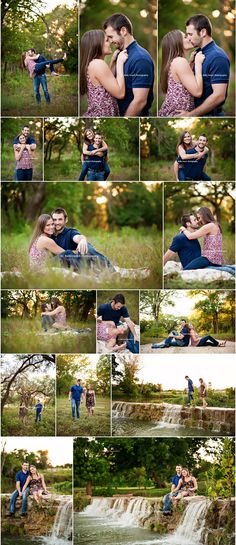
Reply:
x=118, y=272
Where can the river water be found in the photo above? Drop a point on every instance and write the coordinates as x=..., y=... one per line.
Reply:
x=138, y=428
x=23, y=540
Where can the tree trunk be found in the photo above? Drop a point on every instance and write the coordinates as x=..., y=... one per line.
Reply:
x=89, y=488
x=34, y=207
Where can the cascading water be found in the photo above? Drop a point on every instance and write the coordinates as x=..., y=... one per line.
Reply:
x=122, y=511
x=172, y=415
x=193, y=522
x=62, y=528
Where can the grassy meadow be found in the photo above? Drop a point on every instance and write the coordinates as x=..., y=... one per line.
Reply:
x=12, y=425
x=97, y=425
x=161, y=170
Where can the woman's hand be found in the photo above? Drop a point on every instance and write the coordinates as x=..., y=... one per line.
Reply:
x=115, y=55
x=182, y=229
x=199, y=58
x=122, y=58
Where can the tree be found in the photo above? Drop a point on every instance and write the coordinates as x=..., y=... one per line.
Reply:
x=151, y=301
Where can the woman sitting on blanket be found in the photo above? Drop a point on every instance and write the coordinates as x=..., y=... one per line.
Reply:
x=206, y=340
x=108, y=332
x=58, y=312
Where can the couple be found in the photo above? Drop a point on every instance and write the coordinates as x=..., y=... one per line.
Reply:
x=53, y=315
x=187, y=333
x=183, y=485
x=28, y=482
x=36, y=65
x=191, y=158
x=94, y=157
x=24, y=146
x=199, y=87
x=187, y=246
x=76, y=396
x=202, y=391
x=23, y=411
x=110, y=327
x=125, y=88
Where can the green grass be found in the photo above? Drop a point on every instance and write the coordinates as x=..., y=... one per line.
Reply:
x=124, y=166
x=18, y=96
x=13, y=426
x=21, y=335
x=9, y=163
x=97, y=425
x=161, y=170
x=121, y=247
x=175, y=282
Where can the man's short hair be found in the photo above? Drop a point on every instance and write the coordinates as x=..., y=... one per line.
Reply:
x=119, y=298
x=186, y=376
x=25, y=127
x=204, y=136
x=186, y=218
x=199, y=22
x=117, y=21
x=183, y=320
x=32, y=49
x=78, y=379
x=60, y=211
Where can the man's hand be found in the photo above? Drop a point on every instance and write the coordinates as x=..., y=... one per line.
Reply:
x=82, y=246
x=183, y=113
x=20, y=494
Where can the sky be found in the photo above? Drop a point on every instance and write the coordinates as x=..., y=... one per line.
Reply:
x=60, y=449
x=183, y=305
x=170, y=370
x=51, y=4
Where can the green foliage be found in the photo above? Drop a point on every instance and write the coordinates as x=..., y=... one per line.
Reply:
x=11, y=425
x=80, y=501
x=221, y=476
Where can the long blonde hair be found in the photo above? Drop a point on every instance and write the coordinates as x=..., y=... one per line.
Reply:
x=39, y=228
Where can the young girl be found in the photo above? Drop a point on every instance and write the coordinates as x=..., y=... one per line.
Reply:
x=23, y=156
x=102, y=150
x=90, y=400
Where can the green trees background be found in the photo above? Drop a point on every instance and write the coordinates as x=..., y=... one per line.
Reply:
x=64, y=143
x=26, y=25
x=221, y=16
x=159, y=139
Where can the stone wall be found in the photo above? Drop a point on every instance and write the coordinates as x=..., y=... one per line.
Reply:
x=39, y=520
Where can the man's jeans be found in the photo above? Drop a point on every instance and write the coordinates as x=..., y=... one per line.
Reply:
x=46, y=321
x=190, y=396
x=38, y=416
x=85, y=168
x=75, y=403
x=182, y=178
x=13, y=499
x=95, y=175
x=41, y=79
x=169, y=341
x=167, y=501
x=93, y=257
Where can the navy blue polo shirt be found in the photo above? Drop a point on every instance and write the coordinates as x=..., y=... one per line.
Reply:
x=215, y=69
x=194, y=169
x=108, y=313
x=175, y=480
x=29, y=140
x=65, y=238
x=190, y=385
x=186, y=249
x=76, y=392
x=39, y=407
x=22, y=478
x=139, y=73
x=185, y=333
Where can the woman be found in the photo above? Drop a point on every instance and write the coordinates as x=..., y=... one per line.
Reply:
x=41, y=243
x=96, y=77
x=185, y=143
x=207, y=340
x=178, y=80
x=203, y=392
x=108, y=332
x=89, y=137
x=58, y=312
x=187, y=486
x=90, y=400
x=35, y=482
x=23, y=157
x=34, y=67
x=212, y=253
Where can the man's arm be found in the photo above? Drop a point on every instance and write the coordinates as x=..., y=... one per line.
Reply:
x=132, y=327
x=82, y=245
x=18, y=488
x=168, y=256
x=139, y=101
x=211, y=102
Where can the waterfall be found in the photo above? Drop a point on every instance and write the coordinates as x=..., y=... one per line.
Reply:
x=171, y=415
x=118, y=409
x=62, y=528
x=193, y=522
x=124, y=511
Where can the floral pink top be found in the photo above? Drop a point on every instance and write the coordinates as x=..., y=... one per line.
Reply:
x=37, y=257
x=61, y=316
x=100, y=102
x=177, y=98
x=25, y=161
x=212, y=248
x=30, y=64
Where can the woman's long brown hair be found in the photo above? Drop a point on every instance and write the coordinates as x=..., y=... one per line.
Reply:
x=207, y=216
x=182, y=143
x=172, y=47
x=91, y=48
x=39, y=227
x=23, y=55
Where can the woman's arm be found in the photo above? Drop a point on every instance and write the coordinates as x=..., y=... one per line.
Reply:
x=18, y=152
x=46, y=243
x=180, y=483
x=195, y=487
x=52, y=312
x=43, y=483
x=202, y=232
x=193, y=83
x=103, y=74
x=182, y=153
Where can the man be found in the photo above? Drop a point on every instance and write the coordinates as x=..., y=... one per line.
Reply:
x=76, y=396
x=215, y=69
x=114, y=311
x=21, y=478
x=38, y=411
x=190, y=390
x=41, y=79
x=186, y=250
x=30, y=140
x=71, y=239
x=138, y=69
x=167, y=507
x=175, y=338
x=192, y=169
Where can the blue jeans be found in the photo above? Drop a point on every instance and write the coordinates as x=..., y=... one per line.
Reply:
x=41, y=80
x=190, y=396
x=182, y=177
x=13, y=499
x=38, y=416
x=75, y=403
x=39, y=66
x=225, y=268
x=169, y=341
x=95, y=175
x=93, y=257
x=24, y=174
x=207, y=340
x=198, y=263
x=46, y=321
x=85, y=168
x=167, y=501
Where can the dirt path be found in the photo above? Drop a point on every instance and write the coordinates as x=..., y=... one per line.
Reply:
x=228, y=349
